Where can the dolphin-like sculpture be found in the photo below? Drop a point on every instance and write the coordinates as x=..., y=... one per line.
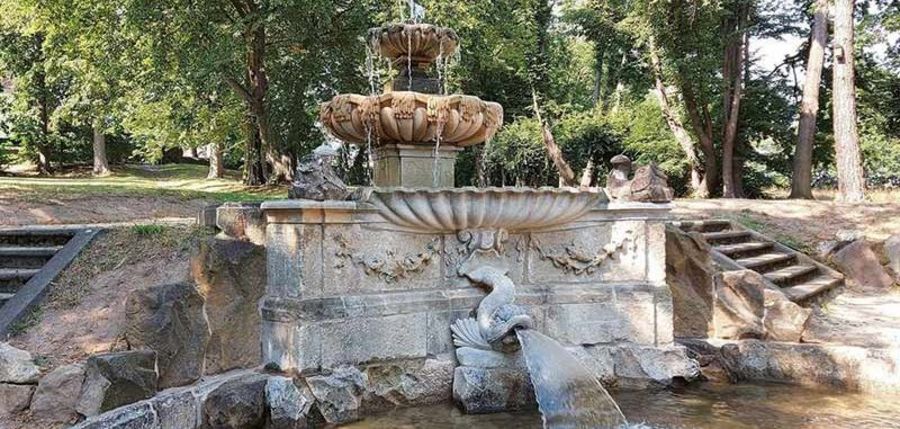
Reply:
x=496, y=318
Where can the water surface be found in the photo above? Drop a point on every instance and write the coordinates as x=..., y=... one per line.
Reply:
x=771, y=406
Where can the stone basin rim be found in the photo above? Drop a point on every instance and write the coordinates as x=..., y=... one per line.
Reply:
x=456, y=209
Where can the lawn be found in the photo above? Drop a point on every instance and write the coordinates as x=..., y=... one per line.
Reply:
x=130, y=193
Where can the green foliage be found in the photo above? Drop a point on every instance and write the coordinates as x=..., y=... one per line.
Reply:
x=146, y=230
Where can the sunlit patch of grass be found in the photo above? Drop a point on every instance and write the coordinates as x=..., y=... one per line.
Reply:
x=180, y=181
x=148, y=229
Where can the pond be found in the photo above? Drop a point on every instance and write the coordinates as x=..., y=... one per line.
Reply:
x=703, y=406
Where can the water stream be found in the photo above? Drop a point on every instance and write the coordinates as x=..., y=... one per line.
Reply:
x=568, y=395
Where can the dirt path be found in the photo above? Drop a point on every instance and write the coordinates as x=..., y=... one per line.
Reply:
x=801, y=221
x=95, y=209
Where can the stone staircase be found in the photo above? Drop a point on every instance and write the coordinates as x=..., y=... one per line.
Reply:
x=735, y=247
x=31, y=258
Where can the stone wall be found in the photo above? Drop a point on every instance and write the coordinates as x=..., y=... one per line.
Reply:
x=347, y=288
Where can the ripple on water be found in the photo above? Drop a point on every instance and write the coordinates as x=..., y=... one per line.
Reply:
x=769, y=406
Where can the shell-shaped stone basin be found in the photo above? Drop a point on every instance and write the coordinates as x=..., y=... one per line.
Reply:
x=454, y=209
x=411, y=118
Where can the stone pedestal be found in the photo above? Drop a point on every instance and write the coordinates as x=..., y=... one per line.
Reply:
x=412, y=165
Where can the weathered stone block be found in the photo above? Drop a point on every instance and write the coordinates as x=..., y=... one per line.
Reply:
x=408, y=383
x=137, y=416
x=892, y=253
x=14, y=398
x=784, y=320
x=861, y=267
x=169, y=319
x=739, y=305
x=359, y=340
x=231, y=275
x=294, y=260
x=16, y=366
x=238, y=403
x=339, y=394
x=482, y=390
x=689, y=275
x=115, y=379
x=57, y=394
x=242, y=221
x=177, y=410
x=288, y=404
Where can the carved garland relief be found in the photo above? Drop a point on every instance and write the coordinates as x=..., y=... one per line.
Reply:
x=391, y=266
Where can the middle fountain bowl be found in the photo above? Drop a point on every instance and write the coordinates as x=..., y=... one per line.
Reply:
x=411, y=118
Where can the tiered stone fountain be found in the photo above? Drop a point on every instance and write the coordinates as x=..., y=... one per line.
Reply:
x=415, y=130
x=382, y=276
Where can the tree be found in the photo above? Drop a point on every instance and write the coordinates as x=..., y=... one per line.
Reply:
x=801, y=179
x=851, y=185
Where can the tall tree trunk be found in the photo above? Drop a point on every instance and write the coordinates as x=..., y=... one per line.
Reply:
x=566, y=174
x=260, y=143
x=101, y=164
x=733, y=73
x=216, y=161
x=192, y=153
x=675, y=125
x=40, y=83
x=701, y=123
x=851, y=184
x=801, y=180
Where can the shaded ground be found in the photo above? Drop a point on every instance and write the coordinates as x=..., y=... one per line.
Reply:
x=801, y=223
x=84, y=313
x=130, y=193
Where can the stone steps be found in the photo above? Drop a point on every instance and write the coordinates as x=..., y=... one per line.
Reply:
x=798, y=276
x=30, y=258
x=726, y=237
x=743, y=249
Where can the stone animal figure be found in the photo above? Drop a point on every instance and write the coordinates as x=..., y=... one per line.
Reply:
x=649, y=185
x=316, y=179
x=496, y=318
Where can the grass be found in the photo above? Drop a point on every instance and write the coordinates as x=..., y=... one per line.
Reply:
x=148, y=229
x=182, y=181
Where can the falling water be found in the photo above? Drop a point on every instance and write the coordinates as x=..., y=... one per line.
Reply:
x=568, y=395
x=436, y=164
x=412, y=11
x=439, y=66
x=409, y=57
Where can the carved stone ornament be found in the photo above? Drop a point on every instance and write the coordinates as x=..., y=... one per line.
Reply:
x=387, y=265
x=574, y=258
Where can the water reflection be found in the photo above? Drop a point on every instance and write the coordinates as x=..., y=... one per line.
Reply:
x=771, y=406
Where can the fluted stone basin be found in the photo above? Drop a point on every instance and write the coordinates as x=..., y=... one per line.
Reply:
x=411, y=118
x=417, y=42
x=452, y=209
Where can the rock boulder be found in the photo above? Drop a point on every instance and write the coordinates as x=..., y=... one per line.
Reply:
x=784, y=320
x=116, y=379
x=14, y=398
x=339, y=394
x=169, y=320
x=689, y=275
x=489, y=390
x=57, y=394
x=231, y=277
x=289, y=405
x=892, y=253
x=242, y=221
x=739, y=305
x=16, y=366
x=239, y=403
x=862, y=267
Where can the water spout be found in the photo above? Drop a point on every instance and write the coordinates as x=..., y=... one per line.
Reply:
x=568, y=395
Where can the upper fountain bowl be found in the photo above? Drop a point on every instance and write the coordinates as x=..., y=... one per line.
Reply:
x=420, y=44
x=455, y=209
x=411, y=118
